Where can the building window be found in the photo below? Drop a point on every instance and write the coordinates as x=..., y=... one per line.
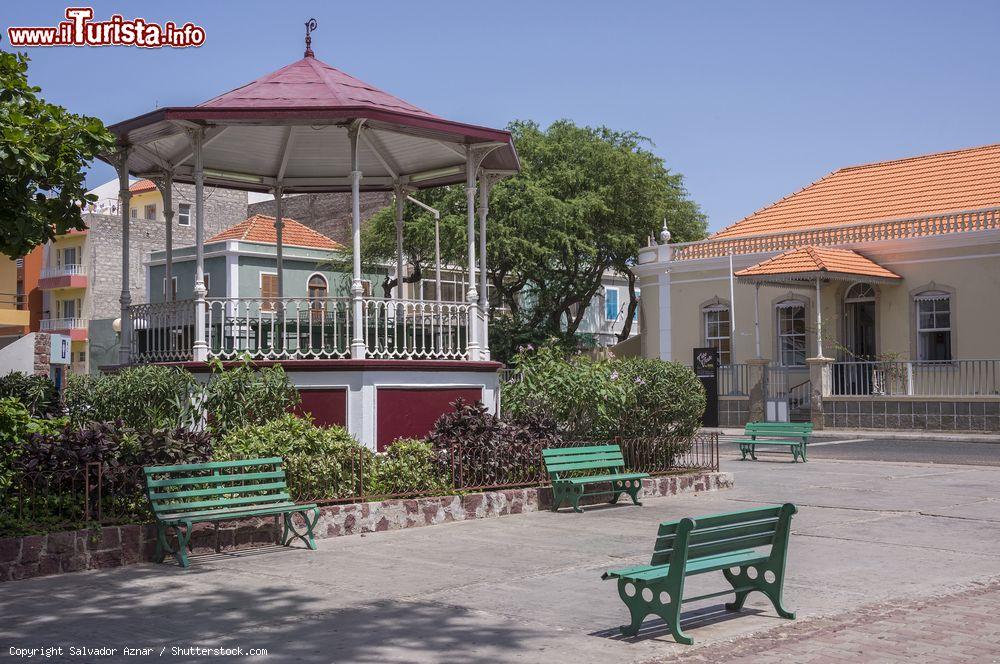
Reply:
x=933, y=326
x=716, y=325
x=208, y=282
x=184, y=214
x=610, y=303
x=134, y=213
x=268, y=291
x=149, y=212
x=69, y=308
x=791, y=319
x=67, y=256
x=452, y=287
x=173, y=289
x=318, y=290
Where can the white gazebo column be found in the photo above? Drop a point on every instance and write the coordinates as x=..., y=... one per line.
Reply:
x=357, y=290
x=819, y=322
x=279, y=252
x=125, y=347
x=200, y=349
x=400, y=193
x=486, y=182
x=166, y=186
x=473, y=295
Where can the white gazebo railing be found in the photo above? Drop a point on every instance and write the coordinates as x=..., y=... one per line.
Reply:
x=162, y=331
x=292, y=328
x=408, y=329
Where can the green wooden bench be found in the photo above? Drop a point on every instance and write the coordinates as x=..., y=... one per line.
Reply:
x=185, y=494
x=572, y=468
x=791, y=435
x=728, y=542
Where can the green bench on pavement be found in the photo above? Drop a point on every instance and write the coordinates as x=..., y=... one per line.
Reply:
x=791, y=435
x=572, y=468
x=184, y=494
x=729, y=542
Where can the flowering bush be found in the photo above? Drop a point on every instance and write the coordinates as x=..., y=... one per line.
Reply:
x=408, y=466
x=603, y=399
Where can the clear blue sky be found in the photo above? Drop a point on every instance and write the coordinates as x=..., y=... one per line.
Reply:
x=750, y=101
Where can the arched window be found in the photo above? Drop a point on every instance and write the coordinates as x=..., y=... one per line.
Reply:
x=933, y=325
x=791, y=326
x=317, y=287
x=715, y=319
x=859, y=321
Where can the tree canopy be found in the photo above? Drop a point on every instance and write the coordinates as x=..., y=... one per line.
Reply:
x=43, y=151
x=586, y=200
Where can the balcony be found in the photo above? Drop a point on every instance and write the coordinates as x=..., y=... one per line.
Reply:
x=298, y=328
x=74, y=328
x=13, y=311
x=64, y=276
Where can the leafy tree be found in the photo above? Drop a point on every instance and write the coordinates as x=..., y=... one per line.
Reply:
x=43, y=151
x=586, y=200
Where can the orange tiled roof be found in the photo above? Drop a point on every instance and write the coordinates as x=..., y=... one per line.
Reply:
x=142, y=186
x=260, y=228
x=953, y=181
x=818, y=261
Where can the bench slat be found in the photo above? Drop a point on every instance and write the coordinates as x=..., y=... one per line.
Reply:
x=699, y=566
x=217, y=491
x=212, y=465
x=234, y=513
x=161, y=506
x=214, y=479
x=729, y=545
x=584, y=465
x=604, y=478
x=550, y=452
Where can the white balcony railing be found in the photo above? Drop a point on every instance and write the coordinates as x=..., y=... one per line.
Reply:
x=63, y=271
x=55, y=324
x=954, y=378
x=300, y=328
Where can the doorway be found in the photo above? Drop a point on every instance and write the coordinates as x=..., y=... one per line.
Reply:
x=859, y=324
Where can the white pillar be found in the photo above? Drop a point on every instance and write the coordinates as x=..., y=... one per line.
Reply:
x=200, y=349
x=400, y=193
x=472, y=296
x=279, y=224
x=819, y=322
x=485, y=187
x=125, y=349
x=358, y=339
x=166, y=186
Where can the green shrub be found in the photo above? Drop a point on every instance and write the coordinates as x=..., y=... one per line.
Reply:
x=408, y=466
x=321, y=462
x=243, y=396
x=603, y=399
x=37, y=393
x=144, y=398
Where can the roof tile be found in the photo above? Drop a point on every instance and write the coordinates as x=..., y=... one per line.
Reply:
x=810, y=259
x=260, y=228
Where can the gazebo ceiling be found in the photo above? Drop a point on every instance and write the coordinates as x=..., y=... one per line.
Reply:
x=292, y=126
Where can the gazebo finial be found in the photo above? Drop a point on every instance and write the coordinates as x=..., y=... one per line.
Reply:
x=310, y=26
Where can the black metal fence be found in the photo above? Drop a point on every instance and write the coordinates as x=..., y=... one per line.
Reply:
x=97, y=494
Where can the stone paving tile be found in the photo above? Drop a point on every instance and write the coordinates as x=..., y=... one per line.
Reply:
x=962, y=626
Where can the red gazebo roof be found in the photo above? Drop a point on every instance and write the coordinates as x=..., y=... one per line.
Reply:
x=249, y=134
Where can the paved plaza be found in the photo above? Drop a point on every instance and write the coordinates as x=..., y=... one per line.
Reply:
x=888, y=561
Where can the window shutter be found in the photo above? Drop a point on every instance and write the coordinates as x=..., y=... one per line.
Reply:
x=268, y=291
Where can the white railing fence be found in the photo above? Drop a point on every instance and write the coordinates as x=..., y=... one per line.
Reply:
x=162, y=331
x=279, y=328
x=300, y=328
x=410, y=329
x=63, y=270
x=955, y=378
x=53, y=324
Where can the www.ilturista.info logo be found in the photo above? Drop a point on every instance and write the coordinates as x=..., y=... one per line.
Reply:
x=80, y=30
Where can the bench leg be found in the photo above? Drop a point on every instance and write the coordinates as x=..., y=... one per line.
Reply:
x=802, y=452
x=574, y=497
x=639, y=607
x=289, y=533
x=635, y=491
x=744, y=585
x=743, y=451
x=163, y=544
x=753, y=451
x=558, y=495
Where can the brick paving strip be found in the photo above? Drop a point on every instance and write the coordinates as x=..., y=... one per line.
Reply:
x=962, y=626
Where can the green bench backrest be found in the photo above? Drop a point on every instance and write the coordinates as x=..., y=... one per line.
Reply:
x=787, y=429
x=219, y=484
x=721, y=533
x=559, y=460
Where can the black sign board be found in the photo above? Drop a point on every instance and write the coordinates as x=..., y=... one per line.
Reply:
x=706, y=368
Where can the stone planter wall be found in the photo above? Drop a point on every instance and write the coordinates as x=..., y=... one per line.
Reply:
x=114, y=546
